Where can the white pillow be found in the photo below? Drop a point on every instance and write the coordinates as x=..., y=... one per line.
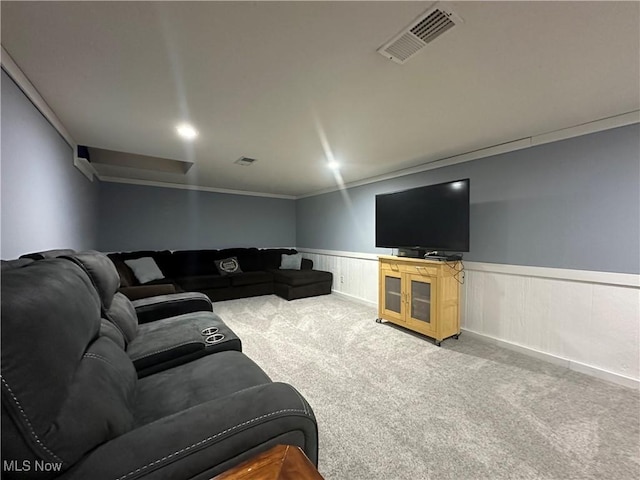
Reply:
x=290, y=262
x=145, y=269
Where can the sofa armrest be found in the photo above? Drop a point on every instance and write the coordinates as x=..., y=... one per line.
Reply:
x=155, y=308
x=144, y=291
x=307, y=264
x=207, y=439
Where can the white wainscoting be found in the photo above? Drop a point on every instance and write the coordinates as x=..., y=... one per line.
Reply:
x=355, y=275
x=586, y=321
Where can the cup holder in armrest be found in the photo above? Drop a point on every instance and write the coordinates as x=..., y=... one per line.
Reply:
x=206, y=332
x=213, y=339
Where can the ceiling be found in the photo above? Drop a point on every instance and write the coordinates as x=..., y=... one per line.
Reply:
x=294, y=83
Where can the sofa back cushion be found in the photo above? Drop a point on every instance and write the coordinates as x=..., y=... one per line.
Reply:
x=249, y=259
x=191, y=263
x=65, y=389
x=272, y=256
x=116, y=308
x=127, y=278
x=57, y=252
x=109, y=330
x=187, y=263
x=101, y=271
x=123, y=315
x=18, y=263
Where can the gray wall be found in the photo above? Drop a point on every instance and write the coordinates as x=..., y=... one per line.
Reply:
x=46, y=202
x=570, y=204
x=136, y=217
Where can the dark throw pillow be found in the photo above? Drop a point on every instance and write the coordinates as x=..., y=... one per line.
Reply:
x=228, y=266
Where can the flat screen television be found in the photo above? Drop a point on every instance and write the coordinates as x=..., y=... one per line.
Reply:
x=434, y=217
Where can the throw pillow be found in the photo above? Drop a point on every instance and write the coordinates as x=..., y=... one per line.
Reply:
x=145, y=269
x=290, y=262
x=228, y=266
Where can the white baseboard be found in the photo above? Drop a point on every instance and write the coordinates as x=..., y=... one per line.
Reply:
x=355, y=299
x=563, y=362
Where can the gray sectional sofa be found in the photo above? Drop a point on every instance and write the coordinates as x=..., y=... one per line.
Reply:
x=77, y=405
x=261, y=273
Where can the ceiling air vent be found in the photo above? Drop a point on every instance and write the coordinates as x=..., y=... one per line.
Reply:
x=245, y=161
x=423, y=30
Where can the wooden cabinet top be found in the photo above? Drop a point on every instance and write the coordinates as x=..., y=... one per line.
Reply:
x=409, y=260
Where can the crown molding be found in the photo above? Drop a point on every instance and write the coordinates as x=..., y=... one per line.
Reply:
x=602, y=124
x=23, y=83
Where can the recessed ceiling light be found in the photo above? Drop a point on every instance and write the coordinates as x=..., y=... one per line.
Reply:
x=333, y=165
x=187, y=131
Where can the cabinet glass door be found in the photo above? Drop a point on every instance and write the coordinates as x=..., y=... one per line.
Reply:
x=421, y=300
x=392, y=300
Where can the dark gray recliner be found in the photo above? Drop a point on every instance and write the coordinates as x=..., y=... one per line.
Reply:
x=174, y=332
x=72, y=403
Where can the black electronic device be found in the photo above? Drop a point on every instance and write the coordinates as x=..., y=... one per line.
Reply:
x=442, y=256
x=412, y=252
x=429, y=218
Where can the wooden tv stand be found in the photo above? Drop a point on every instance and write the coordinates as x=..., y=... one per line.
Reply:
x=421, y=295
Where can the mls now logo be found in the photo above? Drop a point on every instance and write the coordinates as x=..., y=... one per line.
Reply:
x=28, y=466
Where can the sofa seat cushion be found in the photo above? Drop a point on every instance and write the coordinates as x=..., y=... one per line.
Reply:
x=203, y=282
x=207, y=439
x=297, y=278
x=251, y=278
x=177, y=340
x=205, y=379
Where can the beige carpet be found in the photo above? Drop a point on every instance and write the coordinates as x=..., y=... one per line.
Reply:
x=393, y=406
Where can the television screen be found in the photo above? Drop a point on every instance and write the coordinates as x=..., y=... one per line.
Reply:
x=435, y=217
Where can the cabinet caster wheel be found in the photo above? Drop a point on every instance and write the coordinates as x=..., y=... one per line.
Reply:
x=456, y=336
x=378, y=320
x=438, y=343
